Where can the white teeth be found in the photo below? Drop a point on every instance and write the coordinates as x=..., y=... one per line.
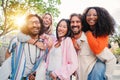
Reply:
x=91, y=21
x=60, y=32
x=75, y=28
x=46, y=23
x=36, y=30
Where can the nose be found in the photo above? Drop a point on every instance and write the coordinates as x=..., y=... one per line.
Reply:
x=47, y=20
x=91, y=16
x=75, y=24
x=34, y=24
x=60, y=28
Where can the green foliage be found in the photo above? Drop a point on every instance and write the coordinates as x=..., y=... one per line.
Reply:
x=117, y=51
x=116, y=37
x=0, y=43
x=13, y=8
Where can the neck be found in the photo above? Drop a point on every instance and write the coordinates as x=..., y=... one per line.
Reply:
x=92, y=28
x=76, y=36
x=48, y=31
x=34, y=36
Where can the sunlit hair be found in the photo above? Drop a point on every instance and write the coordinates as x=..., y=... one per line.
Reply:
x=25, y=30
x=48, y=30
x=105, y=23
x=68, y=27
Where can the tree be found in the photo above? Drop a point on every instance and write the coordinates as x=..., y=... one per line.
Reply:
x=13, y=8
x=116, y=37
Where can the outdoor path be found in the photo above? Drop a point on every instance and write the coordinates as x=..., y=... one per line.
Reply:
x=116, y=72
x=115, y=75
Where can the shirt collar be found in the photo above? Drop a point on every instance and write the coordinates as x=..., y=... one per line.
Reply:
x=83, y=37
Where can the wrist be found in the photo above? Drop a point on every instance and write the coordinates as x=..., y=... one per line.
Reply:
x=35, y=42
x=54, y=74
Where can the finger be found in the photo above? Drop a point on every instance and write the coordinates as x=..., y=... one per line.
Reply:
x=32, y=78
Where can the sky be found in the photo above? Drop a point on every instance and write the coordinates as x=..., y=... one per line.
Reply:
x=68, y=7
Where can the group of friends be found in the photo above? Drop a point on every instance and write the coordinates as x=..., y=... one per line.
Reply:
x=80, y=48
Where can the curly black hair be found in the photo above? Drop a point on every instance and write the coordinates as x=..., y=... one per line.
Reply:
x=105, y=23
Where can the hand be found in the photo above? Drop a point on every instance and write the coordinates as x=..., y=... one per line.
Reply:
x=31, y=77
x=47, y=40
x=31, y=41
x=40, y=45
x=53, y=76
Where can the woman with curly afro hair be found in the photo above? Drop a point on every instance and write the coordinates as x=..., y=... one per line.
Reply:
x=98, y=25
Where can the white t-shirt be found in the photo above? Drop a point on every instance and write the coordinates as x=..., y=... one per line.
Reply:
x=55, y=59
x=31, y=53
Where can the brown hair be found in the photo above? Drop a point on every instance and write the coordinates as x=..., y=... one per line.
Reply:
x=24, y=29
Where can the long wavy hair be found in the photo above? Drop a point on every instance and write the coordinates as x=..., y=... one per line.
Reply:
x=66, y=35
x=25, y=30
x=49, y=15
x=105, y=23
x=49, y=29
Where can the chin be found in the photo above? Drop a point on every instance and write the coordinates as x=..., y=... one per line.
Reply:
x=61, y=36
x=75, y=33
x=46, y=26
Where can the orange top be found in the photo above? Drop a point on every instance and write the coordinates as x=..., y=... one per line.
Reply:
x=97, y=44
x=76, y=46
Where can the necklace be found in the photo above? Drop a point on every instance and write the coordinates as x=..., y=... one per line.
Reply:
x=32, y=62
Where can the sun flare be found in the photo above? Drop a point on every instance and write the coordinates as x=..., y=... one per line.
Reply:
x=19, y=20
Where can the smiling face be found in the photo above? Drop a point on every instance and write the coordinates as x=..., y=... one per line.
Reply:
x=47, y=20
x=75, y=24
x=92, y=18
x=62, y=29
x=33, y=26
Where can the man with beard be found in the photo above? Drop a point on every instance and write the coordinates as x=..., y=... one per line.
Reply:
x=26, y=54
x=87, y=61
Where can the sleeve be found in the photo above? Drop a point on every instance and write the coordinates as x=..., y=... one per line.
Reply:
x=20, y=37
x=12, y=44
x=5, y=69
x=71, y=64
x=97, y=44
x=23, y=37
x=110, y=60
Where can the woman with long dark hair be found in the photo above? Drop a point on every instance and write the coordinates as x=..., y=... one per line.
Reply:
x=62, y=58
